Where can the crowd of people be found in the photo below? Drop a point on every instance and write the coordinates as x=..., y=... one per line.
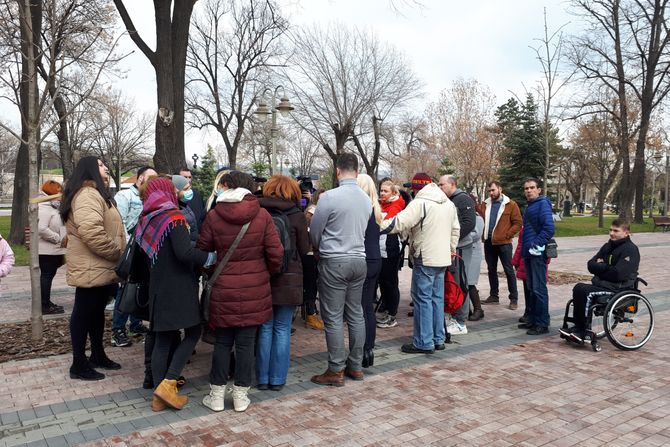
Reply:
x=272, y=249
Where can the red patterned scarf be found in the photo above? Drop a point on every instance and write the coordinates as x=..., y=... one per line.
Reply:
x=160, y=215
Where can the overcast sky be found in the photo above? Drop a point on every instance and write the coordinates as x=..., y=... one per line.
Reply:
x=488, y=40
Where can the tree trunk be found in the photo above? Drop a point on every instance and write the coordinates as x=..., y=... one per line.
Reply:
x=64, y=148
x=30, y=13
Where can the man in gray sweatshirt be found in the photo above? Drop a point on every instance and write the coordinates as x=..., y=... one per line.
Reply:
x=337, y=232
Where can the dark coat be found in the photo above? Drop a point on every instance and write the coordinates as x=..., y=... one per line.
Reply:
x=241, y=294
x=197, y=205
x=287, y=286
x=618, y=265
x=173, y=289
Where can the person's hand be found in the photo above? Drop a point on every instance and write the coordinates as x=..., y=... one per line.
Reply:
x=63, y=242
x=211, y=259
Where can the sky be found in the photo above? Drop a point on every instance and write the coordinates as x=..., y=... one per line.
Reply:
x=443, y=40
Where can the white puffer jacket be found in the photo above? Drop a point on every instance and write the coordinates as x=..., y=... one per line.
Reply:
x=431, y=223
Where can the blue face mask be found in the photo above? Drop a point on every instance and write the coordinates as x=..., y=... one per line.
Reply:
x=188, y=195
x=219, y=192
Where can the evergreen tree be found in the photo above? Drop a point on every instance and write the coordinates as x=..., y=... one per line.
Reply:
x=204, y=176
x=446, y=167
x=523, y=155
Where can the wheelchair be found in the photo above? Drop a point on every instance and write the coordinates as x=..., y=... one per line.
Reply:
x=627, y=319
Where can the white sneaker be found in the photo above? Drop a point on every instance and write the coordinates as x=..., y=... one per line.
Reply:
x=240, y=397
x=455, y=328
x=214, y=400
x=110, y=307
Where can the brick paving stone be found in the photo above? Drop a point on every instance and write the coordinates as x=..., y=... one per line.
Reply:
x=495, y=386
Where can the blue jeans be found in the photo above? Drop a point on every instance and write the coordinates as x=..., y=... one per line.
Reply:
x=428, y=296
x=273, y=352
x=536, y=279
x=119, y=319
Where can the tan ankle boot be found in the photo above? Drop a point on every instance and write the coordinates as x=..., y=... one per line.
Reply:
x=314, y=322
x=167, y=392
x=157, y=404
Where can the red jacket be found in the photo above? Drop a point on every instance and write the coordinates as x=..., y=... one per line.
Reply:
x=393, y=207
x=241, y=295
x=517, y=260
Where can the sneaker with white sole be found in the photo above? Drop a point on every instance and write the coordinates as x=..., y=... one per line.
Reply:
x=214, y=400
x=455, y=328
x=382, y=317
x=388, y=323
x=120, y=339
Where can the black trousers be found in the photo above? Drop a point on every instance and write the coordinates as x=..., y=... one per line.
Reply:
x=388, y=285
x=244, y=339
x=309, y=281
x=88, y=321
x=368, y=302
x=49, y=265
x=582, y=297
x=150, y=343
x=503, y=252
x=161, y=367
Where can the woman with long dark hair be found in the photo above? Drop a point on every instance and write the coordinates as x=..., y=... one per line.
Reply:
x=163, y=235
x=96, y=240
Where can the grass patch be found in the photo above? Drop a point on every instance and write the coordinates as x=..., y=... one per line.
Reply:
x=588, y=226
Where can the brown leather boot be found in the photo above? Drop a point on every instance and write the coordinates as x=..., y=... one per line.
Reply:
x=157, y=404
x=354, y=375
x=167, y=392
x=329, y=378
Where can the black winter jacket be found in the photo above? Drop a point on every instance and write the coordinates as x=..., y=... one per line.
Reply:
x=619, y=265
x=173, y=289
x=465, y=207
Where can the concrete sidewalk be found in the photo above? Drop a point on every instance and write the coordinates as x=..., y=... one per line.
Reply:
x=494, y=386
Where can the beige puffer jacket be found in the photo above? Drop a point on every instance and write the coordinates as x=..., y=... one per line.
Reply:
x=96, y=240
x=431, y=223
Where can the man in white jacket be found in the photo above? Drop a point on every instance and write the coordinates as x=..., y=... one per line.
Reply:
x=431, y=223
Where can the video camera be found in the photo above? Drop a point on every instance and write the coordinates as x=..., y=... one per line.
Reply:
x=305, y=182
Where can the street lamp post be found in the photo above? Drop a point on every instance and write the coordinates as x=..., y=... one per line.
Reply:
x=262, y=112
x=195, y=161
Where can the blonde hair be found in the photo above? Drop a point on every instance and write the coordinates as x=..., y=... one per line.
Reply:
x=212, y=196
x=366, y=183
x=394, y=188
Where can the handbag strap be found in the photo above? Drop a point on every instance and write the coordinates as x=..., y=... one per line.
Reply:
x=229, y=253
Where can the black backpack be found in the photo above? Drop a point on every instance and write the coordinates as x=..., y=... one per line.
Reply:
x=283, y=226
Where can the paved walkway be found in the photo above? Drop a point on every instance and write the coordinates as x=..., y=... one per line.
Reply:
x=494, y=386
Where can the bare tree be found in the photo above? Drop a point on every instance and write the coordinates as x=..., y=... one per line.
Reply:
x=595, y=143
x=173, y=21
x=550, y=54
x=80, y=33
x=459, y=128
x=122, y=137
x=344, y=79
x=22, y=44
x=8, y=148
x=233, y=46
x=625, y=52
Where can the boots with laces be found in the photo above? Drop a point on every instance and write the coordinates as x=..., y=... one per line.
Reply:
x=240, y=397
x=214, y=400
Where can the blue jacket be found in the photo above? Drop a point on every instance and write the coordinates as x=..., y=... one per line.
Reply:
x=538, y=225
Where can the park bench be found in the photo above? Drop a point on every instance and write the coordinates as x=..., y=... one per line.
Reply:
x=661, y=221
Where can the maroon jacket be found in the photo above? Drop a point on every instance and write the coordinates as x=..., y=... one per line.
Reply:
x=241, y=294
x=287, y=287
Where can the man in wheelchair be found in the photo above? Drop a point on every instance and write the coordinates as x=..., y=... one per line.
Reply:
x=614, y=268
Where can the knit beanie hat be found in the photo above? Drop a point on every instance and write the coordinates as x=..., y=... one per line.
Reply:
x=179, y=182
x=420, y=180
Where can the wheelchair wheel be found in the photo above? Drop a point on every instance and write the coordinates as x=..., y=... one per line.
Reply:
x=629, y=321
